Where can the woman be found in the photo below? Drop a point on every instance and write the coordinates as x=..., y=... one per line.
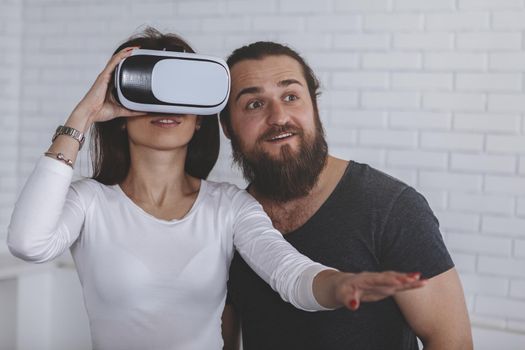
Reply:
x=151, y=238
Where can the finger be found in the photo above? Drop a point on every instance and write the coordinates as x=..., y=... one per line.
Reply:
x=413, y=285
x=379, y=293
x=383, y=279
x=395, y=287
x=396, y=278
x=127, y=113
x=116, y=59
x=354, y=300
x=121, y=111
x=411, y=281
x=410, y=277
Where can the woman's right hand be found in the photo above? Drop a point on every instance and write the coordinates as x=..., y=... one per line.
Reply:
x=98, y=104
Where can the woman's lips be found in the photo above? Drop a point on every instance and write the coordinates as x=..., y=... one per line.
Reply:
x=166, y=122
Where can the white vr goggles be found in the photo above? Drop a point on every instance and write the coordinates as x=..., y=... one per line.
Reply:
x=172, y=82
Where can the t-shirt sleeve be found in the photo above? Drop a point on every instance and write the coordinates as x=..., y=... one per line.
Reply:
x=411, y=239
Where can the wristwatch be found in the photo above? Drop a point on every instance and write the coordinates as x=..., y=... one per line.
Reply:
x=71, y=132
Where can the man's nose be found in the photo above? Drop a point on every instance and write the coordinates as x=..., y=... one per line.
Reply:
x=277, y=114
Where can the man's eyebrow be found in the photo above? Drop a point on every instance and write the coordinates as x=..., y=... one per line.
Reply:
x=255, y=89
x=248, y=90
x=286, y=82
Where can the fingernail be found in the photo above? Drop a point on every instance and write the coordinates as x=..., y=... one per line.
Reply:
x=414, y=274
x=353, y=304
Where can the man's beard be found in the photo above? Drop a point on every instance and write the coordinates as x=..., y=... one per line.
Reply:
x=289, y=176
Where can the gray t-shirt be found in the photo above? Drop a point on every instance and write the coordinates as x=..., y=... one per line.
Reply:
x=371, y=222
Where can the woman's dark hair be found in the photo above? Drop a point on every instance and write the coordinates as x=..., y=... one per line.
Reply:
x=263, y=49
x=109, y=140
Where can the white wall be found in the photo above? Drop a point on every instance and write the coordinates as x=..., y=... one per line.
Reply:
x=11, y=25
x=430, y=91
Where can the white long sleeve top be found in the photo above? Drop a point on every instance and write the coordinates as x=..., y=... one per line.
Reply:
x=151, y=283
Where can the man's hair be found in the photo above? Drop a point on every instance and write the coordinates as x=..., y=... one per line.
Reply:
x=263, y=49
x=110, y=155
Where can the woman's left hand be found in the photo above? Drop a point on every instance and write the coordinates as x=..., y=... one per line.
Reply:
x=350, y=289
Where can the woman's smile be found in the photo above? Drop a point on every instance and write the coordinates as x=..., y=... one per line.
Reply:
x=167, y=122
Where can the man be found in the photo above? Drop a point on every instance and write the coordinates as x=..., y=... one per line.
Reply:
x=343, y=214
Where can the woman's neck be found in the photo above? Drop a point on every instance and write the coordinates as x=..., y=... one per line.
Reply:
x=157, y=177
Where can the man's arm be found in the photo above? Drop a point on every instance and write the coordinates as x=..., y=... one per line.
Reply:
x=231, y=328
x=437, y=313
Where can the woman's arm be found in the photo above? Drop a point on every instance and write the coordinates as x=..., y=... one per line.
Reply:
x=48, y=213
x=305, y=284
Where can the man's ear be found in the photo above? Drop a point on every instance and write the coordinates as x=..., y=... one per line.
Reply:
x=225, y=129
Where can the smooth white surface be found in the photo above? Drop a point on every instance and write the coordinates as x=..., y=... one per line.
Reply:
x=192, y=82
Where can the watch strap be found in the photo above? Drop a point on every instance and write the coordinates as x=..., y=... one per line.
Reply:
x=71, y=132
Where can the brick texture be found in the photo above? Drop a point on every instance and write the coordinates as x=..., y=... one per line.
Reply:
x=430, y=91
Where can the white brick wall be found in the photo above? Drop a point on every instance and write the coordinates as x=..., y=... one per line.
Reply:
x=487, y=122
x=430, y=91
x=457, y=21
x=10, y=59
x=488, y=82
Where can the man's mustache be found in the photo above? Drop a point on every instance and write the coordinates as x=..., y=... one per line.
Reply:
x=278, y=130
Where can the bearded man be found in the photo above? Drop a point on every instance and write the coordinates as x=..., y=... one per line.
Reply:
x=341, y=213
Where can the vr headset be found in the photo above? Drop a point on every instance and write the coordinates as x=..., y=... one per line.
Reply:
x=172, y=82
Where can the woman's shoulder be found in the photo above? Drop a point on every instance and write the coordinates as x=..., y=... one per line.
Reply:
x=221, y=187
x=225, y=193
x=88, y=189
x=224, y=190
x=86, y=185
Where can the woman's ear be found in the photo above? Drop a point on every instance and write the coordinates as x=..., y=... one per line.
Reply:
x=198, y=123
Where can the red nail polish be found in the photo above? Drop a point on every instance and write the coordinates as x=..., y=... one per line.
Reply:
x=353, y=304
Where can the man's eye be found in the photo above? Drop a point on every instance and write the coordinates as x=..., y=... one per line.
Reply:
x=290, y=98
x=254, y=105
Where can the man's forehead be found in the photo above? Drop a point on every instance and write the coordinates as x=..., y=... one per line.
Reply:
x=268, y=70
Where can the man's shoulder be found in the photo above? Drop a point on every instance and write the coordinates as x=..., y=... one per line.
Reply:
x=363, y=179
